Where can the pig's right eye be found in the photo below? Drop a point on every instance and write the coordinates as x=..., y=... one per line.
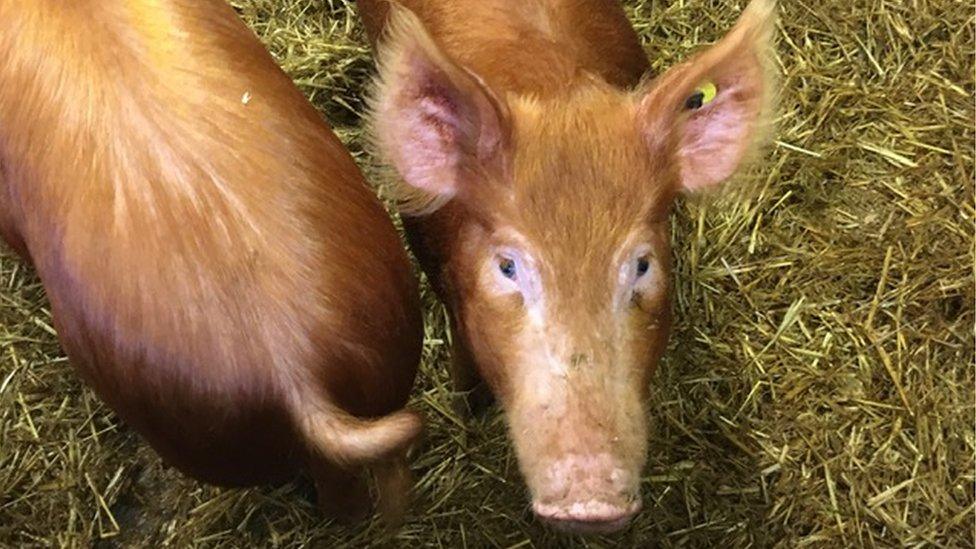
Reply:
x=507, y=268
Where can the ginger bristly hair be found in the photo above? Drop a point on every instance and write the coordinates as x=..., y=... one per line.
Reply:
x=413, y=117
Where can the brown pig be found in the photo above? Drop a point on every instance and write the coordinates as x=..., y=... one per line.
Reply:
x=217, y=269
x=537, y=169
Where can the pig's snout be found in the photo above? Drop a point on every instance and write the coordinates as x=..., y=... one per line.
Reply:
x=587, y=494
x=589, y=517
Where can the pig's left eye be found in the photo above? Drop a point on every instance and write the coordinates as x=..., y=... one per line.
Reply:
x=643, y=264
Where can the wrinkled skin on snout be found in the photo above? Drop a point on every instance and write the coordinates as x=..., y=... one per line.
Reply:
x=542, y=221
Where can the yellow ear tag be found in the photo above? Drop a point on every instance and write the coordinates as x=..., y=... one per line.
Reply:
x=708, y=90
x=703, y=95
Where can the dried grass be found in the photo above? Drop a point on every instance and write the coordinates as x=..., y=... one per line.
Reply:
x=819, y=388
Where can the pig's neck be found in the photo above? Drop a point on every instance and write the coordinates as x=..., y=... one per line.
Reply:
x=536, y=47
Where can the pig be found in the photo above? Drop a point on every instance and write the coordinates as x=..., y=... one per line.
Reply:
x=218, y=271
x=536, y=166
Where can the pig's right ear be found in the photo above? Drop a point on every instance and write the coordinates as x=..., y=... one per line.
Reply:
x=437, y=123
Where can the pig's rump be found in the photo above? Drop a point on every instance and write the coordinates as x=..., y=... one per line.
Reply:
x=199, y=356
x=218, y=270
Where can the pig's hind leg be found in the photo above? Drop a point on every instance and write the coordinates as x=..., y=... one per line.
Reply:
x=342, y=494
x=8, y=231
x=394, y=484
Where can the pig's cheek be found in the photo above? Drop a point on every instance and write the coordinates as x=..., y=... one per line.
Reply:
x=650, y=295
x=493, y=323
x=500, y=297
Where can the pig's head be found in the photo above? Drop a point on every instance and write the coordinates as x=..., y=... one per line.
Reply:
x=558, y=265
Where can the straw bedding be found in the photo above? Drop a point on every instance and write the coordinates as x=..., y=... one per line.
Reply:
x=819, y=386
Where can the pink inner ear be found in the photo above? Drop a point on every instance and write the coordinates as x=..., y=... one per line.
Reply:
x=434, y=121
x=716, y=137
x=429, y=150
x=713, y=140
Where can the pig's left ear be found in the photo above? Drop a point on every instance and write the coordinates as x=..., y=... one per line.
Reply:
x=711, y=111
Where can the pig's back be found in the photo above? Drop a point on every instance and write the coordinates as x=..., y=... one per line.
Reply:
x=207, y=244
x=537, y=47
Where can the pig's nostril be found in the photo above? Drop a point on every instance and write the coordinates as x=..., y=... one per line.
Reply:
x=587, y=516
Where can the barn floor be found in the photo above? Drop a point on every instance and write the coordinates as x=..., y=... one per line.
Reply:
x=819, y=389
